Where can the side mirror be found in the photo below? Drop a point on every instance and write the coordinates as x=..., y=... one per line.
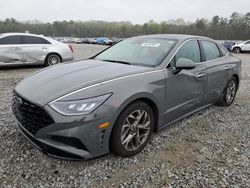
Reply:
x=184, y=63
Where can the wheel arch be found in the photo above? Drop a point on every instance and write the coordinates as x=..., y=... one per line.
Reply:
x=237, y=47
x=148, y=99
x=237, y=79
x=145, y=97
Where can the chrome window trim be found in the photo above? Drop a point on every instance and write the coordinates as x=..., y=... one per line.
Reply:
x=197, y=39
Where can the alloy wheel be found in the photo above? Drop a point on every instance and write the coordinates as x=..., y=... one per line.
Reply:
x=135, y=130
x=237, y=50
x=53, y=60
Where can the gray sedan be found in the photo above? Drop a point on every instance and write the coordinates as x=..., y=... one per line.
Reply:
x=115, y=100
x=22, y=48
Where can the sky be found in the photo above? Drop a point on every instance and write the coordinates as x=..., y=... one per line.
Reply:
x=135, y=11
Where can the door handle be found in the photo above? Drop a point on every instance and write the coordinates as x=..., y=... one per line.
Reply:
x=44, y=48
x=227, y=67
x=200, y=75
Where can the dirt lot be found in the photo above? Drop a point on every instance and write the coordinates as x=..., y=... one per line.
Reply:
x=208, y=149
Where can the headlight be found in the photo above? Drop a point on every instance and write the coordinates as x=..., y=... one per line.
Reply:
x=79, y=107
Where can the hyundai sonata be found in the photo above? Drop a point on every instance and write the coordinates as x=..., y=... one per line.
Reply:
x=115, y=100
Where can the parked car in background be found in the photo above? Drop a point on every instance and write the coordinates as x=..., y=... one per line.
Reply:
x=116, y=40
x=66, y=39
x=241, y=47
x=84, y=40
x=109, y=42
x=117, y=99
x=104, y=41
x=62, y=39
x=228, y=45
x=77, y=41
x=91, y=41
x=23, y=48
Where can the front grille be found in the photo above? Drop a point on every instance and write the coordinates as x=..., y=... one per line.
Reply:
x=30, y=116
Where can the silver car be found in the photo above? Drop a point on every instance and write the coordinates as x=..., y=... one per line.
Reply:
x=22, y=48
x=117, y=99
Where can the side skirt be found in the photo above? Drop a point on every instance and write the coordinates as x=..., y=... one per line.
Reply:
x=182, y=117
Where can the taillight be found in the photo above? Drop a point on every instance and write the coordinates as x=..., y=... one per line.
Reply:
x=71, y=47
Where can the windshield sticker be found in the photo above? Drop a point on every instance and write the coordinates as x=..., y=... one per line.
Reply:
x=152, y=45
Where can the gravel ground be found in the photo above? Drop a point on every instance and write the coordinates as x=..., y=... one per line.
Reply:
x=208, y=149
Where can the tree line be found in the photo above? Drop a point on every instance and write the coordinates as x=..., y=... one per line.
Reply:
x=236, y=27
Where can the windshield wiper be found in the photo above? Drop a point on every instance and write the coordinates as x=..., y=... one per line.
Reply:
x=115, y=61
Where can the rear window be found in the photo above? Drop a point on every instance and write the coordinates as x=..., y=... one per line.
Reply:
x=34, y=40
x=211, y=50
x=223, y=51
x=10, y=40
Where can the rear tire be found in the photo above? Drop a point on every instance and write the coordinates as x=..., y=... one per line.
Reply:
x=133, y=130
x=52, y=59
x=229, y=93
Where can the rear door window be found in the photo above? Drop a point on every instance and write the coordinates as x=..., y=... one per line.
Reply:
x=10, y=40
x=211, y=50
x=34, y=40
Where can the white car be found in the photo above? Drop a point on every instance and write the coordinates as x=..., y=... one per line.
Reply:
x=23, y=48
x=241, y=47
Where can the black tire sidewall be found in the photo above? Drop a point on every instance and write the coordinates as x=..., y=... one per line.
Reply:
x=115, y=142
x=225, y=92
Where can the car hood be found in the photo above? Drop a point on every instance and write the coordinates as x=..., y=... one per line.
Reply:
x=49, y=84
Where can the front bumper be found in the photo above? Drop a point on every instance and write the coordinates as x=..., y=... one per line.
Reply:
x=66, y=137
x=65, y=59
x=65, y=144
x=47, y=149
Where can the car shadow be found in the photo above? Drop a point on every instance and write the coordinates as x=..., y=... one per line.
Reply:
x=16, y=67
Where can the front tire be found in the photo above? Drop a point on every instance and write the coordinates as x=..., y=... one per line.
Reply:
x=52, y=59
x=132, y=130
x=237, y=50
x=229, y=93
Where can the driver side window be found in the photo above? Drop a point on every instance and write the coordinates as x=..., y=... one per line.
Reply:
x=190, y=50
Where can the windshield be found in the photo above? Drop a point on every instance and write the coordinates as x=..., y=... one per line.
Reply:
x=138, y=51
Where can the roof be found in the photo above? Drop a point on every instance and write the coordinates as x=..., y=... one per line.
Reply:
x=180, y=37
x=27, y=34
